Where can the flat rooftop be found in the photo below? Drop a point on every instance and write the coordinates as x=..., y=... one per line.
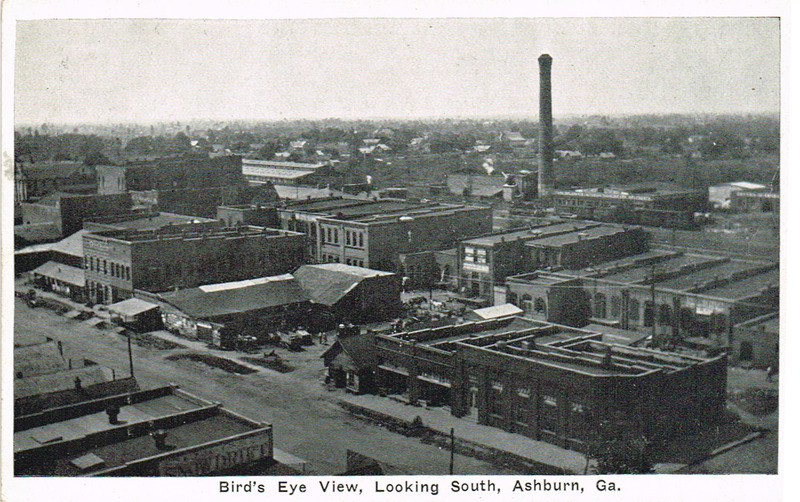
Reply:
x=530, y=233
x=151, y=221
x=188, y=421
x=166, y=233
x=716, y=276
x=539, y=342
x=575, y=236
x=633, y=191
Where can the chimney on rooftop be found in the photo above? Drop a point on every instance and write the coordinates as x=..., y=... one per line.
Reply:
x=546, y=151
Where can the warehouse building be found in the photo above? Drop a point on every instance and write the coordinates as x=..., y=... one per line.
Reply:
x=286, y=173
x=117, y=262
x=158, y=432
x=345, y=293
x=697, y=296
x=217, y=312
x=546, y=381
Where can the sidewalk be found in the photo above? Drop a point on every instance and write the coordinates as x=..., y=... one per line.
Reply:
x=442, y=421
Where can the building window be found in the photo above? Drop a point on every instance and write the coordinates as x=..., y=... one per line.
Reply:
x=105, y=267
x=469, y=254
x=330, y=235
x=347, y=237
x=512, y=298
x=615, y=307
x=633, y=310
x=649, y=313
x=360, y=240
x=540, y=306
x=527, y=302
x=480, y=256
x=336, y=236
x=600, y=305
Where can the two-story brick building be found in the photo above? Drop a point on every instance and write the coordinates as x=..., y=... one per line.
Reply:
x=117, y=262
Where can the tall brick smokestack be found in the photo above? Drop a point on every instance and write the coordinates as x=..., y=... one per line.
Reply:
x=545, y=127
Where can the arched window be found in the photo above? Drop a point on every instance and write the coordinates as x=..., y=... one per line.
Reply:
x=512, y=298
x=633, y=310
x=527, y=303
x=540, y=306
x=600, y=305
x=649, y=313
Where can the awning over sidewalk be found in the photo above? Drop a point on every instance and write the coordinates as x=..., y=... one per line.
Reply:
x=60, y=272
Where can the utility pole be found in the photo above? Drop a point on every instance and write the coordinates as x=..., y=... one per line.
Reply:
x=130, y=354
x=653, y=296
x=452, y=448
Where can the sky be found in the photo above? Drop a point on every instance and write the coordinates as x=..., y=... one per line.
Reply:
x=148, y=70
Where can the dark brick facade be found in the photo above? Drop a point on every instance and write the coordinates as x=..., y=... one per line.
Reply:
x=551, y=382
x=117, y=262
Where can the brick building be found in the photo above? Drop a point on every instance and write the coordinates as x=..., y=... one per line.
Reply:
x=696, y=295
x=68, y=211
x=485, y=262
x=657, y=204
x=550, y=382
x=374, y=235
x=184, y=171
x=117, y=262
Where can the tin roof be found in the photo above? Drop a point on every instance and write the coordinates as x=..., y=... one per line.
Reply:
x=61, y=272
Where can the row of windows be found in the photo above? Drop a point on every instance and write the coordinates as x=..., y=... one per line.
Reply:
x=107, y=267
x=332, y=258
x=351, y=237
x=474, y=255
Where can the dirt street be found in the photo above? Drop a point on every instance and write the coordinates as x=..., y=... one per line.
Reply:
x=307, y=421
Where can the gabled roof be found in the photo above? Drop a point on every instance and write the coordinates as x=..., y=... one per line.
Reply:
x=328, y=283
x=242, y=296
x=360, y=348
x=72, y=245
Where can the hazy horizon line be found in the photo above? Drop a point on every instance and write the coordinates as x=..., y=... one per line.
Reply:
x=429, y=118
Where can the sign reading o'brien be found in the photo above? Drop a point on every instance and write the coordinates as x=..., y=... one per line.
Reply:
x=220, y=456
